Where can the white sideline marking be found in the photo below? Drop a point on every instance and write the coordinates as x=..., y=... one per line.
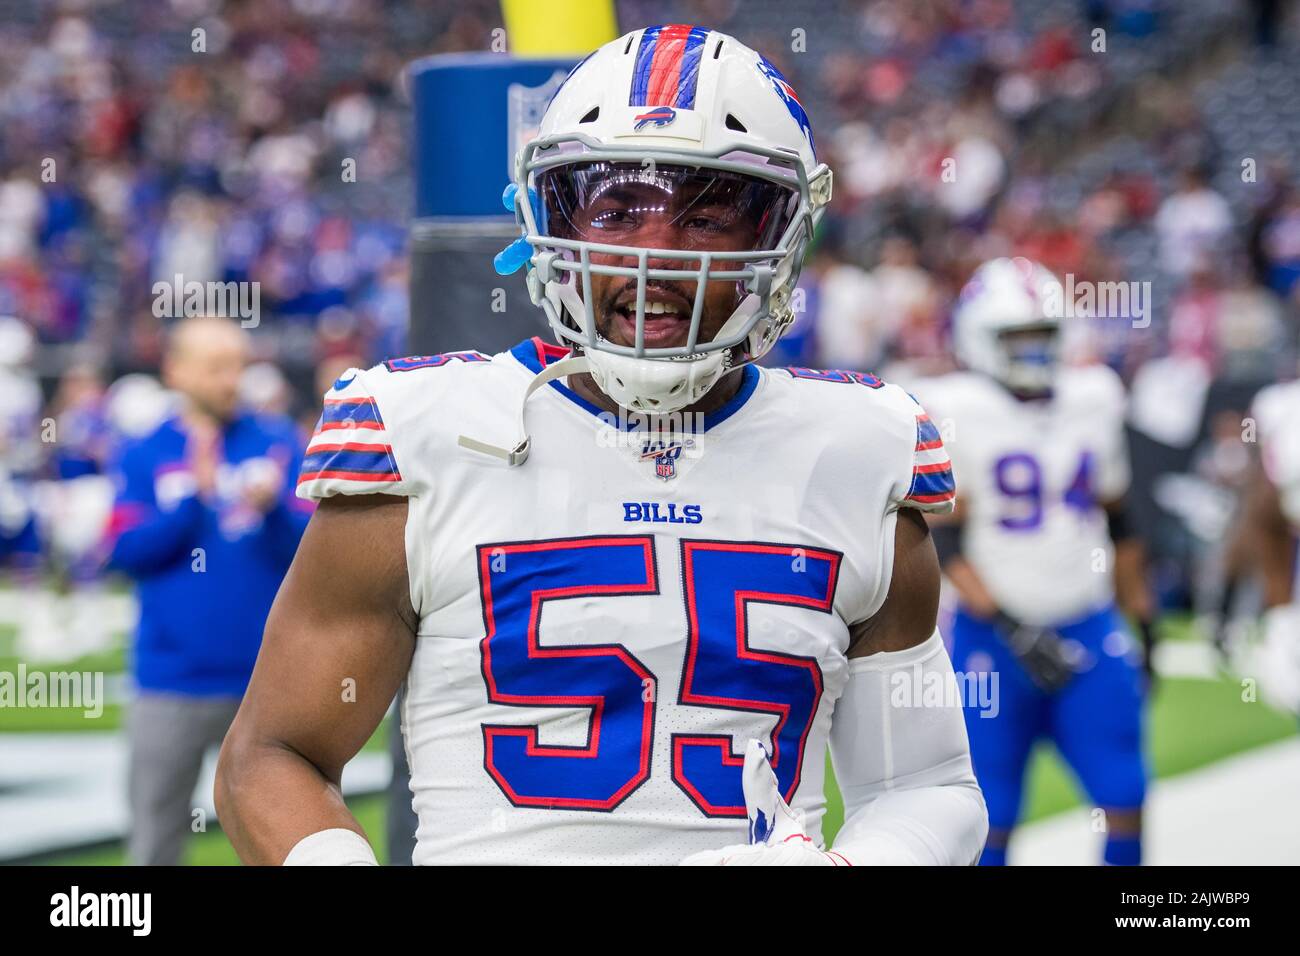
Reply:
x=1239, y=810
x=69, y=789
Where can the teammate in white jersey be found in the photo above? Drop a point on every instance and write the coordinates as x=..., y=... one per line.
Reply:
x=20, y=449
x=1270, y=530
x=1039, y=454
x=624, y=644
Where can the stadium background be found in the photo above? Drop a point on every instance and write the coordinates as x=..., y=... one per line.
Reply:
x=1167, y=158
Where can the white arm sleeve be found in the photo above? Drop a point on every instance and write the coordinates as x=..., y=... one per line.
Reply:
x=335, y=847
x=902, y=760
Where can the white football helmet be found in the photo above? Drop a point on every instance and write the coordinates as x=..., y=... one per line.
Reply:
x=17, y=344
x=136, y=404
x=1005, y=301
x=668, y=114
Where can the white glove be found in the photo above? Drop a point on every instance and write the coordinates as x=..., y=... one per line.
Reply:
x=776, y=833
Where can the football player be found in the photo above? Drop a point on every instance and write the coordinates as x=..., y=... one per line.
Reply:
x=1035, y=550
x=20, y=458
x=20, y=446
x=1272, y=515
x=599, y=632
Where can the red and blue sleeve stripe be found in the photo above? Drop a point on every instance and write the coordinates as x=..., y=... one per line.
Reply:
x=352, y=461
x=932, y=479
x=927, y=436
x=667, y=67
x=932, y=487
x=350, y=413
x=338, y=450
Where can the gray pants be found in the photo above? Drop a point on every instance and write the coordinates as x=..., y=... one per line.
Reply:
x=169, y=735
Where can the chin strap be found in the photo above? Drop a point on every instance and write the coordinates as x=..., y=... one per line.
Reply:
x=573, y=365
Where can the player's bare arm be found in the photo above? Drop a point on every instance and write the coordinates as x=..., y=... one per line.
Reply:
x=1132, y=592
x=946, y=531
x=338, y=644
x=908, y=616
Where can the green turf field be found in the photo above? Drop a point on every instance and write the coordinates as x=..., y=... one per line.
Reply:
x=1192, y=723
x=61, y=719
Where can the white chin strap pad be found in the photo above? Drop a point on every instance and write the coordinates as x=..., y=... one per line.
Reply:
x=648, y=385
x=655, y=385
x=663, y=385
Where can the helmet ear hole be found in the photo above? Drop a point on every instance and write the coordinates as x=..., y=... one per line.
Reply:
x=592, y=115
x=733, y=123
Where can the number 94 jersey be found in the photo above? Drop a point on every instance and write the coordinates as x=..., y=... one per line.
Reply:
x=604, y=628
x=1033, y=476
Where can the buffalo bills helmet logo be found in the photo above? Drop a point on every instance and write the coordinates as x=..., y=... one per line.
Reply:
x=659, y=116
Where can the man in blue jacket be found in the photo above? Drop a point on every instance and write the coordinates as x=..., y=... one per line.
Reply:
x=206, y=522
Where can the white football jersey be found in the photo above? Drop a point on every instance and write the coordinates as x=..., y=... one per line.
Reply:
x=20, y=447
x=604, y=628
x=1276, y=411
x=20, y=413
x=1032, y=475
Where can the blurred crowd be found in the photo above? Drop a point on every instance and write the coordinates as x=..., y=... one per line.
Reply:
x=214, y=139
x=982, y=129
x=261, y=141
x=1133, y=141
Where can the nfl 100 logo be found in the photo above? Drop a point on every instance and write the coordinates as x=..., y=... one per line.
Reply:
x=665, y=453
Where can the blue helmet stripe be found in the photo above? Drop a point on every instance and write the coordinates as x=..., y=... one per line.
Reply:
x=690, y=72
x=645, y=55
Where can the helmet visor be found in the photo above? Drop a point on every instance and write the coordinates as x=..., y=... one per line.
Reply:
x=662, y=206
x=1035, y=345
x=1031, y=354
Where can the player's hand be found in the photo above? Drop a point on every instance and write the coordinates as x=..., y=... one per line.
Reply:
x=202, y=451
x=776, y=833
x=263, y=482
x=1040, y=651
